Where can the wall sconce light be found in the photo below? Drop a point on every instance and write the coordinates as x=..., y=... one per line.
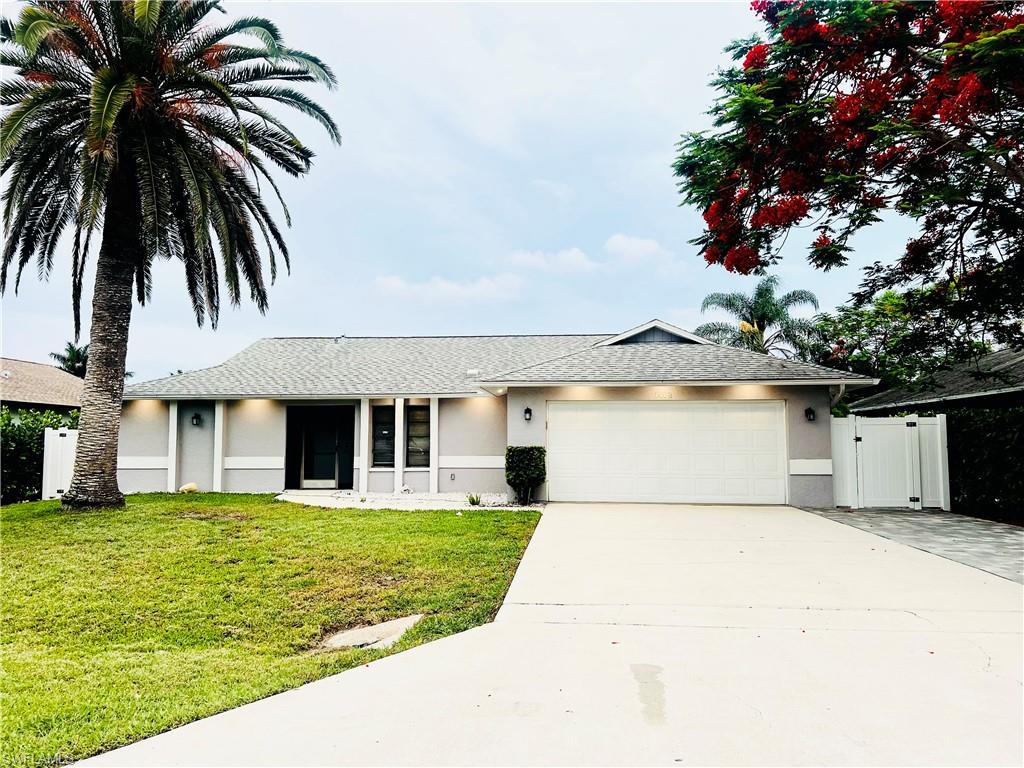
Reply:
x=197, y=420
x=809, y=414
x=527, y=413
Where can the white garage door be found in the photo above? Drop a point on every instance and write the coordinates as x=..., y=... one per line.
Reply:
x=718, y=452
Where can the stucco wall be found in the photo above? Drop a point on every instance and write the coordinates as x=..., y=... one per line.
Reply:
x=805, y=440
x=418, y=480
x=472, y=481
x=381, y=482
x=141, y=480
x=195, y=444
x=254, y=428
x=144, y=425
x=471, y=426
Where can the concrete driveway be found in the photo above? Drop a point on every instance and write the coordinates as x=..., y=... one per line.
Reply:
x=673, y=635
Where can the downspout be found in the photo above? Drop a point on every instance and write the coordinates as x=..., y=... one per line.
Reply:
x=838, y=396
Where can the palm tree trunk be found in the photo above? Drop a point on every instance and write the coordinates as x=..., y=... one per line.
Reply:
x=94, y=483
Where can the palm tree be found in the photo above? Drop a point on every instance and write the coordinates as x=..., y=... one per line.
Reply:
x=764, y=324
x=143, y=121
x=73, y=359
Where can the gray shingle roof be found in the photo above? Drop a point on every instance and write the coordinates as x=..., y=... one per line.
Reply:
x=997, y=373
x=454, y=365
x=668, y=362
x=353, y=366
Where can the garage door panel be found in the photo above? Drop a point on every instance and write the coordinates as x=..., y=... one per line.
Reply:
x=702, y=452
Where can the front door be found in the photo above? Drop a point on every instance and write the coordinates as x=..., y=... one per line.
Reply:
x=320, y=455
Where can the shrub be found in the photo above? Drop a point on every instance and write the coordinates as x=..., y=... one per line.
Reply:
x=525, y=469
x=21, y=450
x=473, y=499
x=985, y=450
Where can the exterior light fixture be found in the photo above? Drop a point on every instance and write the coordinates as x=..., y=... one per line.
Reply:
x=809, y=414
x=197, y=420
x=527, y=413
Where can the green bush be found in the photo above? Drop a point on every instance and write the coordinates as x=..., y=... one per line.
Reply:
x=986, y=448
x=21, y=450
x=525, y=469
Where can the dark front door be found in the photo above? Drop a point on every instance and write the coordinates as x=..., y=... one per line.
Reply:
x=320, y=447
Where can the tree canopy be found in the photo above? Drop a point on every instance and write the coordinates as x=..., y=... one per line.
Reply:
x=843, y=111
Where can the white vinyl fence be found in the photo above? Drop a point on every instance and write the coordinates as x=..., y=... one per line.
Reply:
x=898, y=461
x=58, y=460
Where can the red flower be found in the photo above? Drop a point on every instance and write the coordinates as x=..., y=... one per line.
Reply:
x=714, y=214
x=742, y=259
x=822, y=241
x=956, y=12
x=792, y=181
x=969, y=98
x=846, y=107
x=782, y=213
x=757, y=57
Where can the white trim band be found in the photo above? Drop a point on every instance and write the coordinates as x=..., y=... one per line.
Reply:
x=142, y=462
x=810, y=466
x=254, y=462
x=471, y=462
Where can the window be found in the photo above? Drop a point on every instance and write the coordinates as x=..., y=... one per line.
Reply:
x=383, y=436
x=417, y=436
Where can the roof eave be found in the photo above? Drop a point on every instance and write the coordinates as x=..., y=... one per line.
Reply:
x=936, y=399
x=850, y=383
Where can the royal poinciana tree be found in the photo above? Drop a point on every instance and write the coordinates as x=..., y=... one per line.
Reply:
x=153, y=128
x=845, y=111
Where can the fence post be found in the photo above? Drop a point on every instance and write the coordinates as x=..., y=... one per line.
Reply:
x=914, y=461
x=945, y=502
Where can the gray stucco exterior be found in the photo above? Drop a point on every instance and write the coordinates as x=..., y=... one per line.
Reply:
x=261, y=428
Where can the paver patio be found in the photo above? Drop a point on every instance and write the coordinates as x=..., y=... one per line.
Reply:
x=994, y=547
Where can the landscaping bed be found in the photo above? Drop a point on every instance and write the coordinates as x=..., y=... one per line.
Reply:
x=120, y=624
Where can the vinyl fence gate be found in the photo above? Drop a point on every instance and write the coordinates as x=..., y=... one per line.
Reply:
x=898, y=461
x=58, y=460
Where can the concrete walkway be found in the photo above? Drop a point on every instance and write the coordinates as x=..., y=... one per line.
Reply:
x=673, y=635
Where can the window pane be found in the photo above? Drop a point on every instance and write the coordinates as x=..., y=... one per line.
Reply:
x=383, y=436
x=417, y=436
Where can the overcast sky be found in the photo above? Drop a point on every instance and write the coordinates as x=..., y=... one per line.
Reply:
x=504, y=169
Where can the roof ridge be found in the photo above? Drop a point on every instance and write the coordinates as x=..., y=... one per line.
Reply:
x=36, y=362
x=543, y=362
x=451, y=336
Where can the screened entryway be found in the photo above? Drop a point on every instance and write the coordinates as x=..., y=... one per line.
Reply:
x=320, y=447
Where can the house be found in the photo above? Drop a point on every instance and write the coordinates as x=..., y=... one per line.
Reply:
x=651, y=414
x=995, y=380
x=40, y=386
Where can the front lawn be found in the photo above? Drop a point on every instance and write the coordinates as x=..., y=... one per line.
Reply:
x=120, y=624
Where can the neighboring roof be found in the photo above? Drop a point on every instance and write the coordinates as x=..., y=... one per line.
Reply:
x=22, y=381
x=992, y=375
x=462, y=365
x=661, y=362
x=362, y=366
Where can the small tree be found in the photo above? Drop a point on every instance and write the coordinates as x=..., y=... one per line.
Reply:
x=525, y=469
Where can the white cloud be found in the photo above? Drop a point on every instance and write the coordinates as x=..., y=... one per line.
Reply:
x=499, y=287
x=641, y=251
x=565, y=260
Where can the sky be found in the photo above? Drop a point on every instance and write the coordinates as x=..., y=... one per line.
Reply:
x=504, y=168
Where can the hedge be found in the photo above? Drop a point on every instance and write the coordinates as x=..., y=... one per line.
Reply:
x=986, y=454
x=21, y=450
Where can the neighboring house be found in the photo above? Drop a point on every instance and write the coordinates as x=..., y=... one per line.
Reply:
x=652, y=414
x=41, y=386
x=995, y=380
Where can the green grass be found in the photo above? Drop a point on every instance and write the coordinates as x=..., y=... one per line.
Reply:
x=120, y=624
